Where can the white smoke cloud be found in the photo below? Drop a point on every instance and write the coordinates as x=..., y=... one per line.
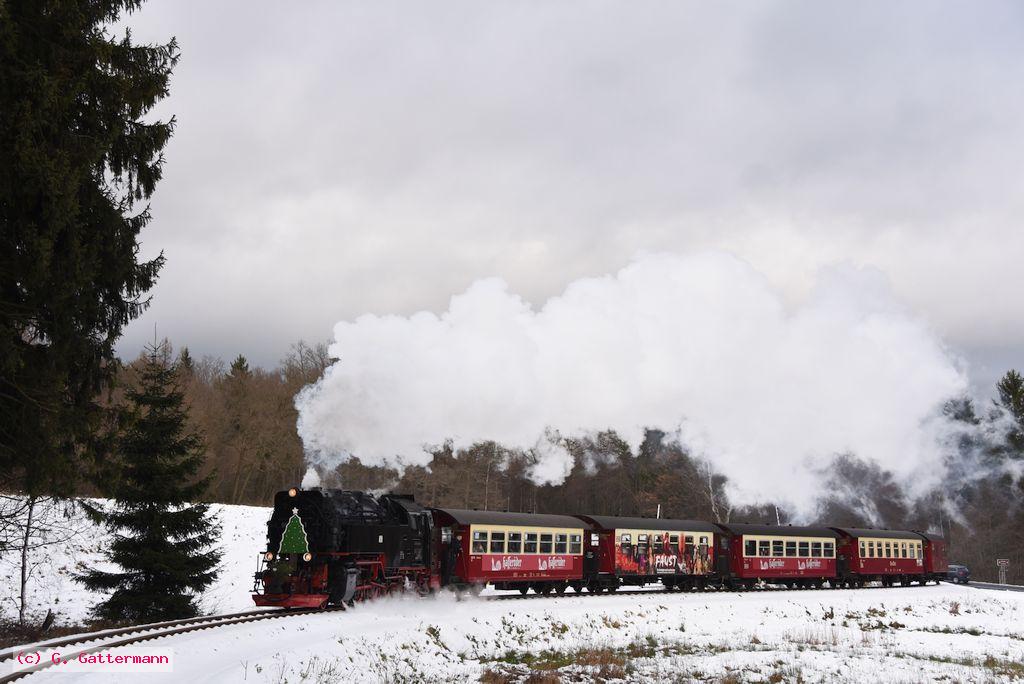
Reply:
x=699, y=345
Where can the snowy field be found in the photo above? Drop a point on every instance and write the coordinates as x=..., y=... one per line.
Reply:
x=243, y=535
x=916, y=634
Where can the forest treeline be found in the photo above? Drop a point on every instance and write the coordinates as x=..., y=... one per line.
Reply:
x=247, y=418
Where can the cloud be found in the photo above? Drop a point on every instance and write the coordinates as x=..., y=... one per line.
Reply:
x=333, y=159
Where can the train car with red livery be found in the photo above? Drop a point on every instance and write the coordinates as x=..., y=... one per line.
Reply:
x=775, y=554
x=517, y=551
x=936, y=564
x=637, y=551
x=334, y=547
x=886, y=556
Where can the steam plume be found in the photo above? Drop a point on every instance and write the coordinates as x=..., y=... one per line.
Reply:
x=698, y=345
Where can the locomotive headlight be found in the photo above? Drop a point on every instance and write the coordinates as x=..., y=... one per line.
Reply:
x=293, y=492
x=307, y=557
x=269, y=555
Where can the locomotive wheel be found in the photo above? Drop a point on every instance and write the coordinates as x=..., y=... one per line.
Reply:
x=560, y=588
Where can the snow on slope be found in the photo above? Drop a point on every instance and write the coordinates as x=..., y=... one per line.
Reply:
x=892, y=635
x=243, y=537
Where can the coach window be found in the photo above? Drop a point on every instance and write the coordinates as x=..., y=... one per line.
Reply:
x=888, y=549
x=764, y=548
x=625, y=542
x=804, y=549
x=777, y=547
x=863, y=549
x=497, y=542
x=689, y=546
x=561, y=543
x=790, y=549
x=479, y=542
x=657, y=543
x=815, y=549
x=919, y=552
x=530, y=545
x=641, y=542
x=575, y=544
x=703, y=545
x=871, y=549
x=673, y=539
x=515, y=542
x=829, y=550
x=750, y=548
x=545, y=543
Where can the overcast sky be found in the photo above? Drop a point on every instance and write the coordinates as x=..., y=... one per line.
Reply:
x=338, y=158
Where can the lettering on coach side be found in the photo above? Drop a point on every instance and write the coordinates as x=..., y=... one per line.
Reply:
x=506, y=563
x=527, y=563
x=556, y=562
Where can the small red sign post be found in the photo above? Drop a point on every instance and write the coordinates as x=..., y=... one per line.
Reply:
x=1002, y=564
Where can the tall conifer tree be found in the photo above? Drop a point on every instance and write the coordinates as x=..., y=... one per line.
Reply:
x=162, y=542
x=77, y=156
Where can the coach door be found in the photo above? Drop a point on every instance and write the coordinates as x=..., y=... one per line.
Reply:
x=722, y=559
x=592, y=554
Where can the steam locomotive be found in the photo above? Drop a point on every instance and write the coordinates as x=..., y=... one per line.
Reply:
x=335, y=547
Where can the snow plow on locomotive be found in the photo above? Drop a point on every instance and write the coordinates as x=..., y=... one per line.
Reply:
x=334, y=547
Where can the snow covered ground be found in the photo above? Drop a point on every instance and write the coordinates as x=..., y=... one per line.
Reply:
x=894, y=635
x=916, y=634
x=243, y=536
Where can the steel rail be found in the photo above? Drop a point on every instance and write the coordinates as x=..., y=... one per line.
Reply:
x=147, y=632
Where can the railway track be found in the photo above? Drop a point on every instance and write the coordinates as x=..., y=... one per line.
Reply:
x=94, y=642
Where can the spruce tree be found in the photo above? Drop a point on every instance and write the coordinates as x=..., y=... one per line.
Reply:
x=162, y=541
x=78, y=154
x=185, y=363
x=1011, y=399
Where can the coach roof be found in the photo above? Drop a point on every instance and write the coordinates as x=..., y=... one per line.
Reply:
x=778, y=530
x=611, y=522
x=465, y=517
x=858, y=532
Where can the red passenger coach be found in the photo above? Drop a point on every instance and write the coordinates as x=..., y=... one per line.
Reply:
x=511, y=550
x=935, y=563
x=637, y=551
x=789, y=555
x=886, y=556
